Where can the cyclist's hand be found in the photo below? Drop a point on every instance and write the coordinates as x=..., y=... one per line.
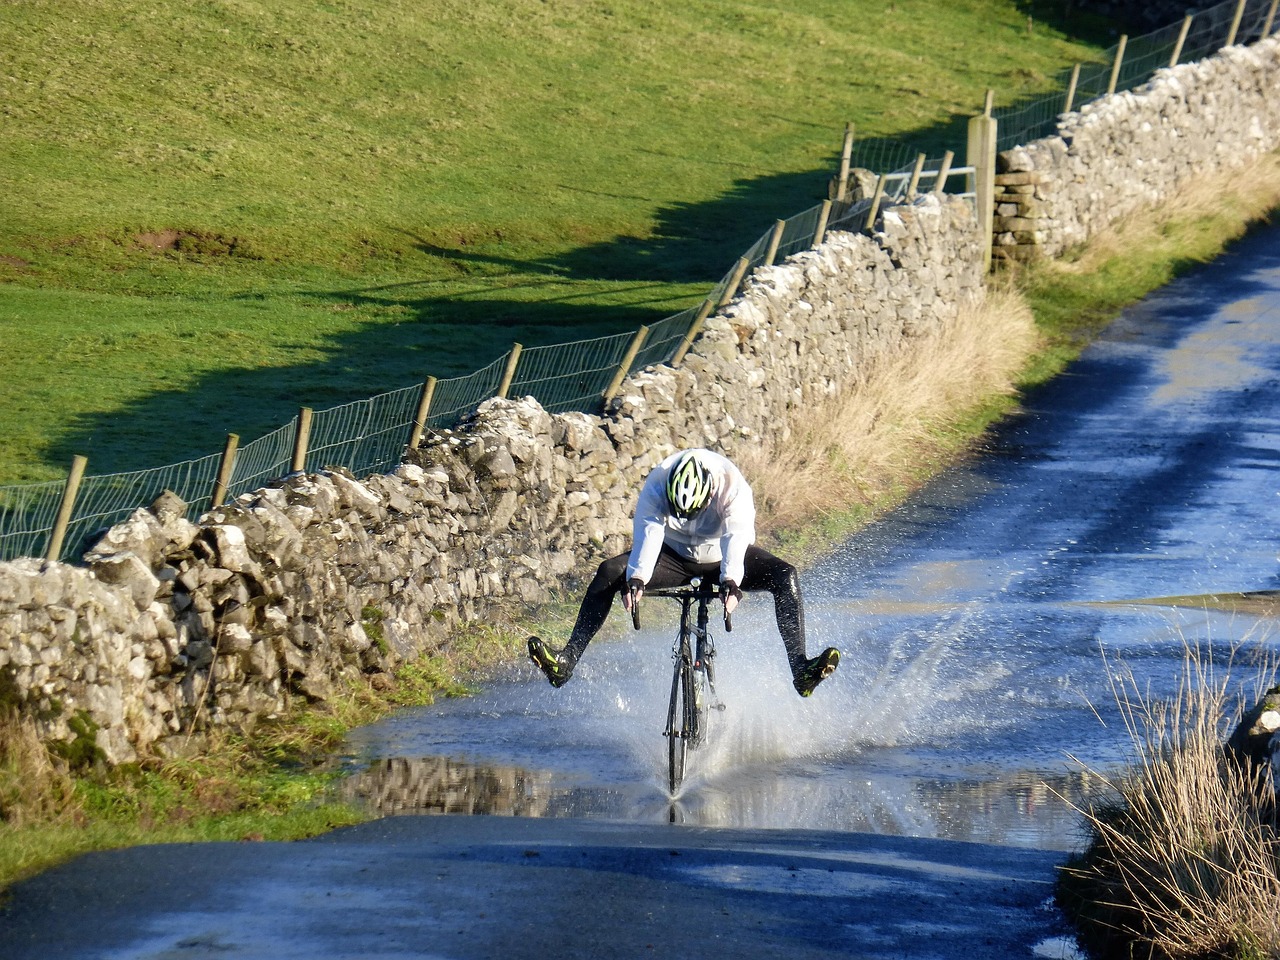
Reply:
x=730, y=594
x=631, y=596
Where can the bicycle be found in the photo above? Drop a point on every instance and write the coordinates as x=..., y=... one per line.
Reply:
x=693, y=694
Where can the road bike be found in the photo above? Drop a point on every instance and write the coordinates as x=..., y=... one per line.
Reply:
x=693, y=692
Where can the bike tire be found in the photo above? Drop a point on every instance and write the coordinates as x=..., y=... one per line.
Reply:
x=681, y=721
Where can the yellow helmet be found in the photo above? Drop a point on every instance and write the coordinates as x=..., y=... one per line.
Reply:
x=689, y=485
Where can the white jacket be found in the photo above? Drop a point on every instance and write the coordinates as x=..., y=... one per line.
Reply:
x=722, y=531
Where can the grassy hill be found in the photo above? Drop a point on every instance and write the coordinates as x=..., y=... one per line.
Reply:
x=212, y=213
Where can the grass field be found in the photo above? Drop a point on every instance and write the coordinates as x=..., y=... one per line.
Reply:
x=212, y=213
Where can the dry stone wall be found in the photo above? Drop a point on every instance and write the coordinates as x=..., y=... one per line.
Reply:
x=172, y=626
x=1134, y=150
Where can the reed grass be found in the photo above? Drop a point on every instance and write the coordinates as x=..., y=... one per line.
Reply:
x=1182, y=861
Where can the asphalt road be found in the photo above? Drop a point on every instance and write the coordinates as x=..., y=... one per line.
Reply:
x=498, y=887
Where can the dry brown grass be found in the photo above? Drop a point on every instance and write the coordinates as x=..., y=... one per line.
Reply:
x=1242, y=197
x=1183, y=864
x=35, y=787
x=866, y=449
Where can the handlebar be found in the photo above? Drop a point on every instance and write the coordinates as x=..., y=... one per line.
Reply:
x=696, y=589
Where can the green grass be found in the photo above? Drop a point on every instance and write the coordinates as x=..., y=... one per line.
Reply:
x=274, y=783
x=364, y=194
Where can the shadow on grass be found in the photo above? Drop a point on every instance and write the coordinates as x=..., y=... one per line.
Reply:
x=424, y=330
x=171, y=426
x=537, y=302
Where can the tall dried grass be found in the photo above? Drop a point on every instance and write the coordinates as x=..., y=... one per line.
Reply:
x=35, y=787
x=874, y=443
x=1183, y=863
x=1244, y=197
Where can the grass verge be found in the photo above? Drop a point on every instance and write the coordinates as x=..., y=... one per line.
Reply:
x=271, y=784
x=906, y=419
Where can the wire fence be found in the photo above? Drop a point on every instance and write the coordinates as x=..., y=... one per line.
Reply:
x=1131, y=62
x=371, y=435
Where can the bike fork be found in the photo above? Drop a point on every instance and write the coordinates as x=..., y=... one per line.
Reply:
x=704, y=662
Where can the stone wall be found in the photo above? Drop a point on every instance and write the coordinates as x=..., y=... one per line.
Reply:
x=1132, y=151
x=173, y=625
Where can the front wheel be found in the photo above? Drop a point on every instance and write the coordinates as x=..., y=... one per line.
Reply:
x=682, y=721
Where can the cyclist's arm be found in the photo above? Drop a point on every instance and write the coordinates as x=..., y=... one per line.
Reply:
x=739, y=528
x=648, y=530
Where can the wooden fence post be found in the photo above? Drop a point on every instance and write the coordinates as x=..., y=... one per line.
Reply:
x=735, y=280
x=509, y=373
x=988, y=103
x=692, y=333
x=420, y=417
x=870, y=222
x=625, y=366
x=775, y=238
x=982, y=157
x=1182, y=39
x=301, y=438
x=225, y=466
x=1235, y=24
x=1071, y=89
x=944, y=171
x=1115, y=65
x=915, y=177
x=846, y=154
x=1271, y=19
x=69, y=493
x=823, y=216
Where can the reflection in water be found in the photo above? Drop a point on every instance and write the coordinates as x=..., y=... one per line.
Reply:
x=443, y=785
x=1019, y=809
x=957, y=722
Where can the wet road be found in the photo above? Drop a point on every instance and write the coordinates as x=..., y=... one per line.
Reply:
x=496, y=887
x=973, y=624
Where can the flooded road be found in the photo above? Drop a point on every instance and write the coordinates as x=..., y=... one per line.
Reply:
x=979, y=625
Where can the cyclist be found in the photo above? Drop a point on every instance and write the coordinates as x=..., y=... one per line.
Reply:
x=695, y=518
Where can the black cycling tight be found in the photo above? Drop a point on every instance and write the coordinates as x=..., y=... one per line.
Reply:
x=762, y=571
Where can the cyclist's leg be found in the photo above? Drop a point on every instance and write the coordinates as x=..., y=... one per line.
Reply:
x=609, y=580
x=764, y=571
x=673, y=570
